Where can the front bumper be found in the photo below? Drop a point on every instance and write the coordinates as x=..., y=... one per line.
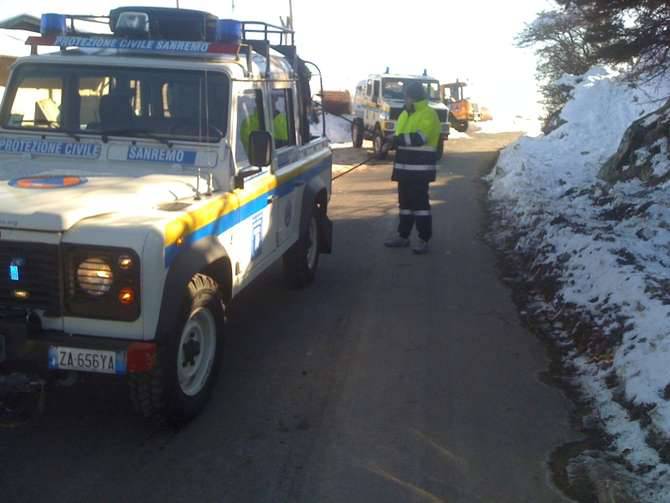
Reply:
x=24, y=344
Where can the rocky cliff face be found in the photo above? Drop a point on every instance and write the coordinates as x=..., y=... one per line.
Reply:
x=643, y=152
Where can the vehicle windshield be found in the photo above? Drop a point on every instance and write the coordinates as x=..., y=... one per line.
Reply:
x=394, y=89
x=120, y=101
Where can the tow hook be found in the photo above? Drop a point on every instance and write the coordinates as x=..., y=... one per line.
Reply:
x=21, y=397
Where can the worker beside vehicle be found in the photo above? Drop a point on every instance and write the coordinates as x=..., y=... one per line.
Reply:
x=416, y=141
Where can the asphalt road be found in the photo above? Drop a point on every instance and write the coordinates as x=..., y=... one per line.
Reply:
x=395, y=378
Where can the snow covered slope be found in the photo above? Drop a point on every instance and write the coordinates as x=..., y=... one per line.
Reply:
x=609, y=247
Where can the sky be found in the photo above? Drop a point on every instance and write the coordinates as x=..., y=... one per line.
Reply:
x=472, y=40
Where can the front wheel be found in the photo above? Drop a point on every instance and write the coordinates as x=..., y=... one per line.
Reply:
x=302, y=259
x=378, y=142
x=187, y=361
x=440, y=147
x=357, y=133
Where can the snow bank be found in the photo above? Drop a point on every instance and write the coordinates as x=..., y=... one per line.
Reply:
x=457, y=135
x=609, y=246
x=338, y=130
x=531, y=127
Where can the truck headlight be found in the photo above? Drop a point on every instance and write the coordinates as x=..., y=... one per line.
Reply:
x=102, y=283
x=95, y=276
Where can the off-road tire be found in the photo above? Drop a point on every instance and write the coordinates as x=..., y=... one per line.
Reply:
x=298, y=272
x=357, y=133
x=440, y=147
x=378, y=144
x=157, y=395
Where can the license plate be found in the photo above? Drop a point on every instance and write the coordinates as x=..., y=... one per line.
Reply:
x=87, y=360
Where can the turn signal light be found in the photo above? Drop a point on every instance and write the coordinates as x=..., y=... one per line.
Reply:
x=21, y=294
x=127, y=296
x=125, y=262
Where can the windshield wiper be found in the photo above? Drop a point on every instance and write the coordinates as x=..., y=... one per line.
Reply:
x=138, y=133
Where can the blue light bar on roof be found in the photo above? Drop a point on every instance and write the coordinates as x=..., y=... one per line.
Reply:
x=53, y=24
x=228, y=31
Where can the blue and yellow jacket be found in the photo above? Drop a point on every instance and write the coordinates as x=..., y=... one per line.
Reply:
x=417, y=138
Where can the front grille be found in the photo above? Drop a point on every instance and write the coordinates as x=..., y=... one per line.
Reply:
x=36, y=271
x=395, y=113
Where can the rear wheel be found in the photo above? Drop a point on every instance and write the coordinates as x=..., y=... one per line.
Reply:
x=302, y=259
x=357, y=133
x=187, y=362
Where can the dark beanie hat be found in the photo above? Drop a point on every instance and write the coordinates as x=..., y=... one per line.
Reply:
x=416, y=91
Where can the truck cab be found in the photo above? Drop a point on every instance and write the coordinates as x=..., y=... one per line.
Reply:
x=380, y=99
x=462, y=110
x=148, y=176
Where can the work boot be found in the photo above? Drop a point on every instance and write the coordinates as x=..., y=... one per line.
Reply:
x=397, y=242
x=420, y=247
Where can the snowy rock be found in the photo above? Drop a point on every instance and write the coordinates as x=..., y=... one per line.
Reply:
x=643, y=152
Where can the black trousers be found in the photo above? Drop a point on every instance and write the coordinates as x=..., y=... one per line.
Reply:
x=414, y=208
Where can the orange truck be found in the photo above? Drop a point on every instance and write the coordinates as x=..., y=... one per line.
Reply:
x=461, y=110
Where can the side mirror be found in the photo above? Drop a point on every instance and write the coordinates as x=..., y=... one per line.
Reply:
x=260, y=149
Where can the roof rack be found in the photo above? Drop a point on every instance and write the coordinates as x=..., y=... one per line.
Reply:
x=253, y=36
x=252, y=28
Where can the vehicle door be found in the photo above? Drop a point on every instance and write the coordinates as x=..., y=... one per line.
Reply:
x=369, y=105
x=286, y=164
x=255, y=241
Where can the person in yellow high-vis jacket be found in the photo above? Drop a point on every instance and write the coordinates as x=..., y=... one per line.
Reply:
x=253, y=123
x=416, y=141
x=280, y=126
x=250, y=124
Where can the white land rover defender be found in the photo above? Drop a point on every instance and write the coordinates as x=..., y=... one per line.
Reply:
x=147, y=177
x=379, y=101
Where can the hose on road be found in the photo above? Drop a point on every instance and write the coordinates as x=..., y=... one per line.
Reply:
x=371, y=158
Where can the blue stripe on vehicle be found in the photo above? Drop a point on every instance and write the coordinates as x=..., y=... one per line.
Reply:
x=228, y=221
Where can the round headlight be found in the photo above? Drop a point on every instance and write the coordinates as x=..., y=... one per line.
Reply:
x=95, y=277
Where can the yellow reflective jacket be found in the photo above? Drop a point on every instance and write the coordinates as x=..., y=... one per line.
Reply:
x=250, y=124
x=417, y=138
x=280, y=123
x=423, y=120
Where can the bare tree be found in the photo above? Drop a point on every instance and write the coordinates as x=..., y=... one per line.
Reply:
x=560, y=39
x=634, y=32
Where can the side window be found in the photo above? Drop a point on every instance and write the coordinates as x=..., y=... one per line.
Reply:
x=91, y=91
x=282, y=117
x=375, y=92
x=37, y=103
x=369, y=92
x=250, y=118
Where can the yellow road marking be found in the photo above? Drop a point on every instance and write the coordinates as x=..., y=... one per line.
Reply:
x=442, y=450
x=428, y=496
